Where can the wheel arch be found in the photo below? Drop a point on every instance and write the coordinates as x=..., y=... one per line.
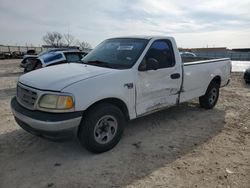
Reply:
x=217, y=79
x=115, y=101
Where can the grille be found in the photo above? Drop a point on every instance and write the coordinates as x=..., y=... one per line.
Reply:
x=26, y=97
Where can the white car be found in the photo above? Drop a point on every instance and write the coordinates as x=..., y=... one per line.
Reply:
x=51, y=57
x=121, y=79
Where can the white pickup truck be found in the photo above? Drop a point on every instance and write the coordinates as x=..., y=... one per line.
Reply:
x=121, y=79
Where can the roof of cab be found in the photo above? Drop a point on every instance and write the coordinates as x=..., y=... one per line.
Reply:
x=148, y=37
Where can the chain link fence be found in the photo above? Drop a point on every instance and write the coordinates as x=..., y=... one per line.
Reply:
x=11, y=49
x=9, y=52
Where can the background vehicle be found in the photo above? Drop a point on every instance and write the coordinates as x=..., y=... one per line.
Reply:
x=2, y=55
x=52, y=57
x=31, y=52
x=7, y=55
x=247, y=76
x=17, y=55
x=34, y=56
x=121, y=79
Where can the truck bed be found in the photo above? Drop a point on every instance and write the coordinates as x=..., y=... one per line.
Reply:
x=197, y=73
x=197, y=59
x=201, y=60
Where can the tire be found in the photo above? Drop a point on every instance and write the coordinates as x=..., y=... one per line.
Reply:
x=247, y=81
x=101, y=128
x=209, y=100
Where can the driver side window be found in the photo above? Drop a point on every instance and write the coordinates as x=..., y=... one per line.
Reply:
x=162, y=51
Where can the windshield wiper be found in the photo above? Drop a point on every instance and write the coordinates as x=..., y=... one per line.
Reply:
x=105, y=64
x=98, y=63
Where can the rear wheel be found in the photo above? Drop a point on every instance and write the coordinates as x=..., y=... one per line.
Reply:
x=211, y=96
x=247, y=81
x=102, y=128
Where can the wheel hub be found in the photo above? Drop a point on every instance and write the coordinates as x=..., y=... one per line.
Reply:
x=213, y=96
x=105, y=129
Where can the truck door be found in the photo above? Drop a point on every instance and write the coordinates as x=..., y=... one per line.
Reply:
x=159, y=88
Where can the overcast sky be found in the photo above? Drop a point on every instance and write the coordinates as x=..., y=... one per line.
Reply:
x=194, y=23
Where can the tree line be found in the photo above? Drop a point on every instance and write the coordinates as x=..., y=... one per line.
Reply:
x=57, y=39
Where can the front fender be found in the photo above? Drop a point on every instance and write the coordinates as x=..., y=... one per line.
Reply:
x=92, y=90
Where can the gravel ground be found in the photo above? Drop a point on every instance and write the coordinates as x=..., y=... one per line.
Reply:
x=183, y=146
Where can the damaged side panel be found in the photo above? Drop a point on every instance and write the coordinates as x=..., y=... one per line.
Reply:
x=156, y=90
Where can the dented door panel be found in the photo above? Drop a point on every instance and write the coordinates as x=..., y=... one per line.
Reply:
x=156, y=89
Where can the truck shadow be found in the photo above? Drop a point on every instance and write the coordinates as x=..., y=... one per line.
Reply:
x=148, y=144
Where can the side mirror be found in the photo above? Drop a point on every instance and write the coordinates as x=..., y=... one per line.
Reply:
x=152, y=64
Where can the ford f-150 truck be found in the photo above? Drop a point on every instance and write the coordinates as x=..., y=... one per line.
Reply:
x=121, y=79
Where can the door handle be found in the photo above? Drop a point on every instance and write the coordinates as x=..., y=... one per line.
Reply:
x=175, y=76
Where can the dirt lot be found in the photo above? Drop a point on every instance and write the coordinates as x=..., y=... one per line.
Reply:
x=183, y=146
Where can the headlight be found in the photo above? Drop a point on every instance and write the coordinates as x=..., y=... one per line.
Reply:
x=56, y=102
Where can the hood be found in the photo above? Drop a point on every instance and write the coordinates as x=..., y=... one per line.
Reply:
x=55, y=78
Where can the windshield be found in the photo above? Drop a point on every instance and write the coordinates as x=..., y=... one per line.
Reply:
x=120, y=53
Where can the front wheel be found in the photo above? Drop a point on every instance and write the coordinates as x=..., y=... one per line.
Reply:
x=211, y=96
x=102, y=128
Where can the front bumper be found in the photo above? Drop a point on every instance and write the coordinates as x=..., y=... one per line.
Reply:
x=44, y=124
